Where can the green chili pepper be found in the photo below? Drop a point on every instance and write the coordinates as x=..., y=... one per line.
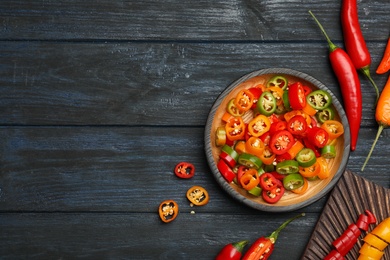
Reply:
x=256, y=191
x=230, y=151
x=287, y=167
x=286, y=101
x=277, y=81
x=319, y=99
x=233, y=109
x=306, y=157
x=266, y=104
x=325, y=114
x=328, y=151
x=250, y=161
x=293, y=181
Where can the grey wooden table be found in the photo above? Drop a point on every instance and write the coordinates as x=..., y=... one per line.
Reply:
x=100, y=99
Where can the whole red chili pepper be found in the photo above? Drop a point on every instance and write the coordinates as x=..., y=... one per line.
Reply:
x=262, y=248
x=354, y=40
x=349, y=84
x=232, y=251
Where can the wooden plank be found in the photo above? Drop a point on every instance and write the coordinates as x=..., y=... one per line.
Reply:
x=183, y=20
x=143, y=235
x=144, y=84
x=130, y=169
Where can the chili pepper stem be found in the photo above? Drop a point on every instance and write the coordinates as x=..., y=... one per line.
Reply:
x=240, y=245
x=366, y=72
x=380, y=129
x=274, y=235
x=332, y=46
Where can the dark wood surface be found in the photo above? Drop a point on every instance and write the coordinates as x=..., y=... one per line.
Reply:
x=100, y=100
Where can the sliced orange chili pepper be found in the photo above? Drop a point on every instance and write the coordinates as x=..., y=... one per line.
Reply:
x=295, y=148
x=226, y=117
x=235, y=129
x=268, y=156
x=254, y=146
x=324, y=169
x=240, y=147
x=198, y=195
x=303, y=188
x=277, y=93
x=334, y=128
x=310, y=171
x=259, y=125
x=250, y=179
x=244, y=100
x=168, y=210
x=308, y=109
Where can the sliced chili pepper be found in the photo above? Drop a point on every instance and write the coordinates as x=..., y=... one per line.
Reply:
x=220, y=136
x=328, y=151
x=375, y=241
x=281, y=142
x=286, y=101
x=282, y=157
x=168, y=210
x=259, y=125
x=256, y=92
x=310, y=171
x=277, y=126
x=296, y=95
x=293, y=181
x=308, y=109
x=307, y=90
x=287, y=167
x=249, y=160
x=256, y=191
x=244, y=100
x=250, y=179
x=198, y=195
x=263, y=247
x=310, y=145
x=232, y=251
x=267, y=181
x=275, y=194
x=303, y=188
x=233, y=109
x=266, y=138
x=277, y=175
x=317, y=136
x=370, y=251
x=295, y=148
x=184, y=170
x=240, y=146
x=226, y=171
x=319, y=99
x=268, y=156
x=277, y=93
x=278, y=81
x=254, y=146
x=241, y=171
x=297, y=125
x=323, y=172
x=306, y=157
x=229, y=155
x=235, y=129
x=266, y=104
x=325, y=114
x=334, y=128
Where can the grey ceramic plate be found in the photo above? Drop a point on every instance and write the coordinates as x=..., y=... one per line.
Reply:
x=290, y=201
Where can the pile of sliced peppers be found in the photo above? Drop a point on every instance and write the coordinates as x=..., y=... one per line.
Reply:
x=277, y=137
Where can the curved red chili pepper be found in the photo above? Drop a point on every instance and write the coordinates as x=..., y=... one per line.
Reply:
x=354, y=40
x=349, y=85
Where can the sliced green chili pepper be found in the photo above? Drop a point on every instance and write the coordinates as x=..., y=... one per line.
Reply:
x=325, y=114
x=287, y=167
x=286, y=101
x=306, y=157
x=319, y=99
x=250, y=161
x=293, y=181
x=277, y=81
x=230, y=151
x=328, y=151
x=266, y=104
x=233, y=109
x=256, y=191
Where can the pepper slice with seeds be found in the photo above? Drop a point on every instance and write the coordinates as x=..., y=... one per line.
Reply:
x=168, y=210
x=198, y=195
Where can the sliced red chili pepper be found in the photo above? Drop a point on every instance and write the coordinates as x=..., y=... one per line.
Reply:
x=277, y=126
x=241, y=171
x=256, y=92
x=317, y=136
x=278, y=176
x=281, y=142
x=198, y=195
x=184, y=170
x=226, y=171
x=275, y=194
x=307, y=90
x=229, y=155
x=296, y=96
x=282, y=157
x=235, y=129
x=308, y=144
x=297, y=125
x=334, y=255
x=168, y=210
x=267, y=181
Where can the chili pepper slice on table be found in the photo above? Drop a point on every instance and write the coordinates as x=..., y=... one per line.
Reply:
x=198, y=195
x=184, y=170
x=168, y=210
x=232, y=251
x=349, y=85
x=382, y=116
x=354, y=40
x=263, y=247
x=384, y=65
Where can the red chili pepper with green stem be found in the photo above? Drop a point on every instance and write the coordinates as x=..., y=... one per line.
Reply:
x=262, y=248
x=354, y=40
x=349, y=85
x=232, y=251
